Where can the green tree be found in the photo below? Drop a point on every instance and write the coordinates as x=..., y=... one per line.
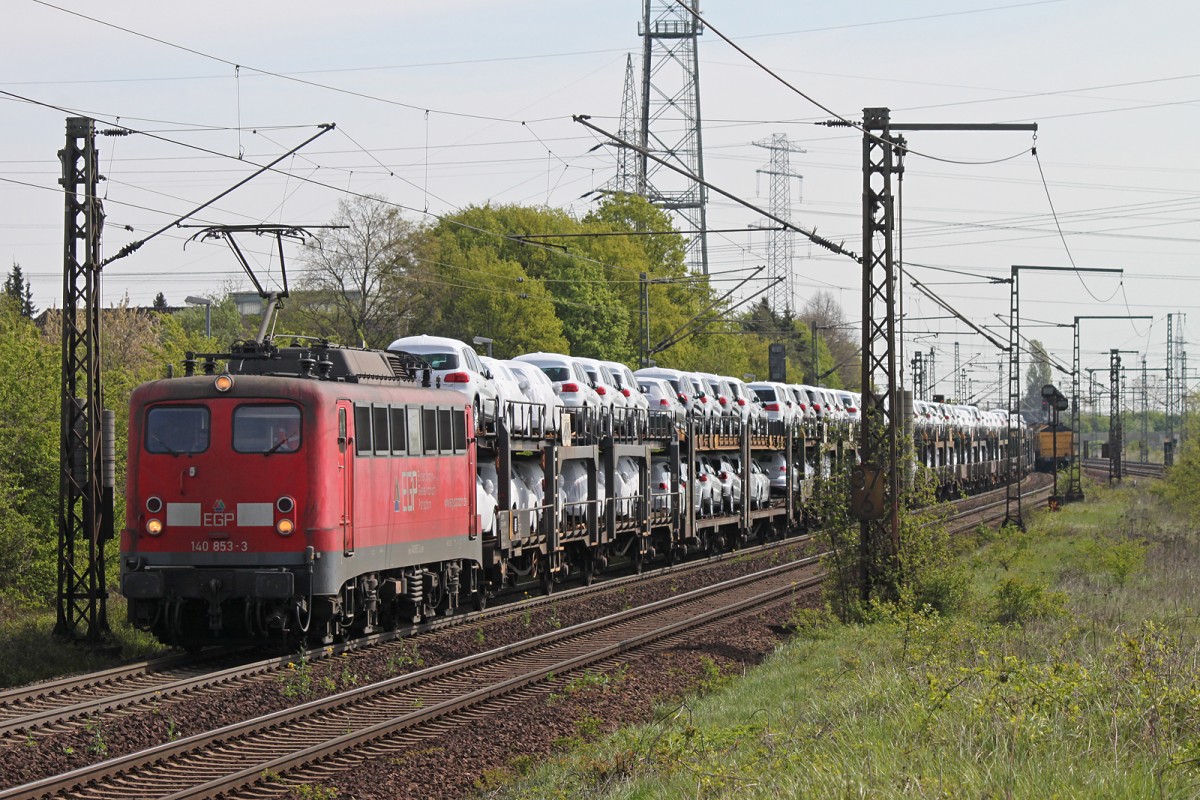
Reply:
x=227, y=324
x=160, y=302
x=358, y=290
x=20, y=291
x=468, y=289
x=839, y=340
x=1036, y=376
x=29, y=432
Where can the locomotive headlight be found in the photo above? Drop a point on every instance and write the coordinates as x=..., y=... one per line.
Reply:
x=154, y=526
x=154, y=504
x=285, y=527
x=285, y=504
x=223, y=383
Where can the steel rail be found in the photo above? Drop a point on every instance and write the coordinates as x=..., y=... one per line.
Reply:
x=52, y=703
x=271, y=724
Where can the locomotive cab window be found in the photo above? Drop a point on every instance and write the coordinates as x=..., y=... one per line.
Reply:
x=362, y=430
x=266, y=429
x=177, y=430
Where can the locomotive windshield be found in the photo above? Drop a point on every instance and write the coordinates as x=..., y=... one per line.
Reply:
x=177, y=430
x=266, y=429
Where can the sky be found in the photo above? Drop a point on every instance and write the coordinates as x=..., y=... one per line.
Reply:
x=441, y=105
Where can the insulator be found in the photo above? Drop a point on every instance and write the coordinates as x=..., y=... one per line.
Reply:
x=108, y=470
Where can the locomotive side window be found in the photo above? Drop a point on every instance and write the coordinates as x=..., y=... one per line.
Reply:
x=414, y=431
x=429, y=430
x=445, y=431
x=381, y=429
x=362, y=430
x=399, y=436
x=177, y=430
x=266, y=429
x=460, y=430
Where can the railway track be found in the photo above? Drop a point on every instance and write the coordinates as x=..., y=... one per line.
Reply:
x=151, y=682
x=56, y=706
x=354, y=724
x=1139, y=469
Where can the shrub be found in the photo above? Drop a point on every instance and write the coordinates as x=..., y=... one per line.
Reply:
x=1018, y=602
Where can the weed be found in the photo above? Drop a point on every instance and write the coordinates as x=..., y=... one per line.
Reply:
x=348, y=678
x=405, y=659
x=527, y=617
x=554, y=621
x=588, y=727
x=30, y=741
x=306, y=791
x=812, y=623
x=480, y=636
x=1120, y=560
x=97, y=746
x=172, y=729
x=1018, y=602
x=710, y=674
x=297, y=679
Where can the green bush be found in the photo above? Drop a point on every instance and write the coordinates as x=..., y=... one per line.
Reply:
x=1018, y=602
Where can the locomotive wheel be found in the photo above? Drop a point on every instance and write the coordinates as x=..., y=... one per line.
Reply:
x=481, y=600
x=547, y=576
x=639, y=562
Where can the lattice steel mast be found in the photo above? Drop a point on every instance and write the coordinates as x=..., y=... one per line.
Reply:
x=780, y=245
x=1116, y=430
x=85, y=500
x=670, y=119
x=630, y=177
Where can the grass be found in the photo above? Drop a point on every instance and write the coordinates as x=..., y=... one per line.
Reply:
x=1089, y=689
x=29, y=651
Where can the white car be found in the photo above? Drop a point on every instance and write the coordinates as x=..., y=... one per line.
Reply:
x=485, y=505
x=539, y=389
x=521, y=499
x=455, y=365
x=574, y=490
x=604, y=383
x=627, y=384
x=803, y=402
x=570, y=381
x=850, y=402
x=743, y=401
x=708, y=406
x=719, y=394
x=660, y=485
x=708, y=489
x=777, y=401
x=760, y=484
x=662, y=397
x=508, y=391
x=628, y=488
x=681, y=382
x=534, y=479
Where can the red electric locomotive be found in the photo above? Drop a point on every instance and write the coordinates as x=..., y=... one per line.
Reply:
x=297, y=492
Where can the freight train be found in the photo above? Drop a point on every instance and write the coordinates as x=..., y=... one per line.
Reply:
x=311, y=493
